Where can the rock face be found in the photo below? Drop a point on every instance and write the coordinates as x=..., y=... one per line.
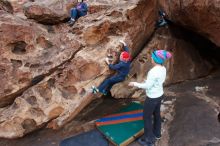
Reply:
x=45, y=68
x=28, y=52
x=186, y=63
x=18, y=7
x=6, y=6
x=187, y=114
x=201, y=16
x=48, y=12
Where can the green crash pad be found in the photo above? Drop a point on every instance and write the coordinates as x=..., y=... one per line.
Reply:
x=124, y=126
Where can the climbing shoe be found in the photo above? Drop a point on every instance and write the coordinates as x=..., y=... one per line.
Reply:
x=144, y=143
x=71, y=22
x=157, y=137
x=95, y=90
x=104, y=92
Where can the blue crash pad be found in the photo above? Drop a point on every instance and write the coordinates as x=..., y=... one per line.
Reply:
x=91, y=138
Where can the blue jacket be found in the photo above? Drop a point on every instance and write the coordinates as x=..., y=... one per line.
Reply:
x=82, y=8
x=122, y=67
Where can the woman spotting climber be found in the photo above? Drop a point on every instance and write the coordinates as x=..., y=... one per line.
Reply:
x=122, y=69
x=154, y=91
x=78, y=11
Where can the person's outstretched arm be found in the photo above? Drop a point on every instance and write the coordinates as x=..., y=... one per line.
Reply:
x=147, y=84
x=84, y=7
x=125, y=47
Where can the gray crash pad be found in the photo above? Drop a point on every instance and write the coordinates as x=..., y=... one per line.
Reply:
x=91, y=138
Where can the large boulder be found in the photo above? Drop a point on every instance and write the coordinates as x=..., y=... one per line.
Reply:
x=201, y=16
x=64, y=71
x=186, y=62
x=48, y=11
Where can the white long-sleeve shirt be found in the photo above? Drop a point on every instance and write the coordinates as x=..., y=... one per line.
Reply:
x=154, y=82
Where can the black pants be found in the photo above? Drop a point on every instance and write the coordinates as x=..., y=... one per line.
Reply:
x=152, y=128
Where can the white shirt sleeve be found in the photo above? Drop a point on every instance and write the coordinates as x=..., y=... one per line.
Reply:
x=148, y=83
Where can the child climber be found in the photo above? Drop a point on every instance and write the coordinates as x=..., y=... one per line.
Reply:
x=153, y=86
x=122, y=69
x=79, y=11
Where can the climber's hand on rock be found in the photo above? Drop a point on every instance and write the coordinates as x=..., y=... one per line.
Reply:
x=121, y=41
x=131, y=84
x=107, y=61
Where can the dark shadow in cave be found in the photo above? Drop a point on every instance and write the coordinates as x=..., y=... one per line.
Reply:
x=219, y=117
x=207, y=49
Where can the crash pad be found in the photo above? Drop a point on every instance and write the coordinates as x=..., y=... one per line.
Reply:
x=124, y=126
x=90, y=138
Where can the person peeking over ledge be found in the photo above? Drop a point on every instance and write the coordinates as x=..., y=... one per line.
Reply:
x=80, y=10
x=122, y=68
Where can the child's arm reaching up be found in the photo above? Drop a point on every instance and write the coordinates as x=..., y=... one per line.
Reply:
x=124, y=46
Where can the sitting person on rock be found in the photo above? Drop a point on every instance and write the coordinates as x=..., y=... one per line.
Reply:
x=162, y=21
x=78, y=11
x=122, y=68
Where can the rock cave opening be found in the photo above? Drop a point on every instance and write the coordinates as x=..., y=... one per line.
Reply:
x=206, y=48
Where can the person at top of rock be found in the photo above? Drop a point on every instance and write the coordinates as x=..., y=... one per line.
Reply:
x=78, y=11
x=122, y=68
x=153, y=86
x=161, y=21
